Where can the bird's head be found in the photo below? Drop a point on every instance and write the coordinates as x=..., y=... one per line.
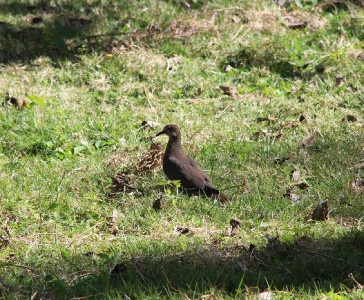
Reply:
x=172, y=130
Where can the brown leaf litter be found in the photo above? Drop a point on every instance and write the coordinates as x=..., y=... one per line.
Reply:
x=17, y=102
x=320, y=212
x=122, y=183
x=157, y=204
x=234, y=228
x=229, y=91
x=357, y=185
x=291, y=196
x=150, y=160
x=112, y=227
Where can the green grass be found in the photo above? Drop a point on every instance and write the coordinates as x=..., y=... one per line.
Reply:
x=93, y=71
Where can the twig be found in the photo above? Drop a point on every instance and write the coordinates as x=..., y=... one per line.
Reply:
x=88, y=296
x=18, y=266
x=332, y=257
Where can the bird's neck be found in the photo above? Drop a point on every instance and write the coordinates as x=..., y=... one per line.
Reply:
x=174, y=144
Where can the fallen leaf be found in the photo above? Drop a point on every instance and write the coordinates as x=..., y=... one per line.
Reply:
x=293, y=24
x=234, y=227
x=357, y=185
x=308, y=141
x=339, y=81
x=358, y=166
x=321, y=211
x=244, y=186
x=320, y=68
x=281, y=160
x=295, y=175
x=272, y=239
x=358, y=285
x=173, y=62
x=302, y=185
x=181, y=230
x=265, y=296
x=228, y=69
x=281, y=2
x=235, y=19
x=291, y=196
x=18, y=103
x=207, y=297
x=251, y=253
x=157, y=204
x=78, y=22
x=198, y=92
x=121, y=183
x=150, y=124
x=35, y=20
x=111, y=223
x=229, y=91
x=150, y=160
x=118, y=270
x=262, y=119
x=303, y=117
x=90, y=254
x=349, y=118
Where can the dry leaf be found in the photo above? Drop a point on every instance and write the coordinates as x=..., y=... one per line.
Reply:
x=150, y=160
x=309, y=141
x=207, y=297
x=173, y=62
x=302, y=185
x=339, y=81
x=321, y=211
x=90, y=254
x=244, y=186
x=349, y=118
x=36, y=20
x=281, y=160
x=150, y=124
x=272, y=240
x=265, y=296
x=157, y=204
x=262, y=119
x=320, y=68
x=229, y=91
x=228, y=69
x=234, y=227
x=303, y=117
x=251, y=252
x=181, y=230
x=295, y=175
x=118, y=270
x=291, y=23
x=235, y=19
x=358, y=285
x=111, y=223
x=358, y=166
x=199, y=92
x=121, y=183
x=18, y=103
x=291, y=196
x=357, y=185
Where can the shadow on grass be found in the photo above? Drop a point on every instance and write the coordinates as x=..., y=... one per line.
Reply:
x=304, y=265
x=46, y=30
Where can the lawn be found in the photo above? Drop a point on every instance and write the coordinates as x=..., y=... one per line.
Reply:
x=268, y=96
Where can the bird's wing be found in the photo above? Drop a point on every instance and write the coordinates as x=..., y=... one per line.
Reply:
x=189, y=172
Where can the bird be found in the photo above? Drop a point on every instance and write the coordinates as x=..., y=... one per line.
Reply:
x=177, y=165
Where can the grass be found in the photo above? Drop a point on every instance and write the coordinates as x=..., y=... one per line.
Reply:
x=91, y=72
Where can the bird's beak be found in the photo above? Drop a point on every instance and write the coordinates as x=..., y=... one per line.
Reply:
x=160, y=133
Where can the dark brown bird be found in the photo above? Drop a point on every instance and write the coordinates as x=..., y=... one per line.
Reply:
x=177, y=165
